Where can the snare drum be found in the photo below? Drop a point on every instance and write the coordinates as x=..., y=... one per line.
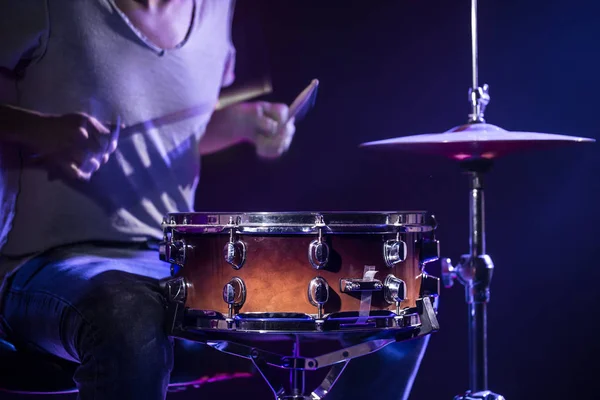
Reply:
x=299, y=272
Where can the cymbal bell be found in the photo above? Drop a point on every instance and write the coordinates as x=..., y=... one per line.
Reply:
x=476, y=140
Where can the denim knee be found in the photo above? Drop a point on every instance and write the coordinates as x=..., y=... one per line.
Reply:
x=124, y=318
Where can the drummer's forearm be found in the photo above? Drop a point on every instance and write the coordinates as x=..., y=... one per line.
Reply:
x=217, y=137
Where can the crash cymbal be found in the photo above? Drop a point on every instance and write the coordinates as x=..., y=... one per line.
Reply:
x=476, y=140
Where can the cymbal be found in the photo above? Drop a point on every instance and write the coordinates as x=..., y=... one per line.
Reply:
x=477, y=140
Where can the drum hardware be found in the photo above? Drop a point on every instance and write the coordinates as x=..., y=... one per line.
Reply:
x=375, y=319
x=430, y=285
x=174, y=251
x=429, y=250
x=264, y=361
x=234, y=294
x=304, y=323
x=394, y=251
x=468, y=269
x=175, y=289
x=337, y=360
x=351, y=285
x=394, y=291
x=295, y=223
x=475, y=273
x=175, y=292
x=318, y=252
x=234, y=251
x=318, y=294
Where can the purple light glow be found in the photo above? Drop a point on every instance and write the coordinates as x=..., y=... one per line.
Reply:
x=212, y=379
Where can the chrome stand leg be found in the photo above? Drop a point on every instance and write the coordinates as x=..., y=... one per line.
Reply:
x=265, y=361
x=334, y=373
x=297, y=384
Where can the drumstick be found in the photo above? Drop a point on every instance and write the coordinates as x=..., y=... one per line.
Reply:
x=304, y=102
x=228, y=98
x=247, y=92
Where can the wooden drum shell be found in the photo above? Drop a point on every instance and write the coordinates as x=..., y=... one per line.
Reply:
x=277, y=271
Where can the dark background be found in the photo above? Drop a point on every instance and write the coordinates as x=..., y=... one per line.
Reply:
x=393, y=68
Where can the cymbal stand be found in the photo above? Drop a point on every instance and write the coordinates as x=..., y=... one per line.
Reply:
x=475, y=269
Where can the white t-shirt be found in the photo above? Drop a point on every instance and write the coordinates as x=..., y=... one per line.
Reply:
x=85, y=56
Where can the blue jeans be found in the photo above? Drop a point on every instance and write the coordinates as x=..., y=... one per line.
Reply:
x=101, y=307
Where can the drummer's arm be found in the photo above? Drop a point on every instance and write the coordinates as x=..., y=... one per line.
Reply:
x=248, y=122
x=218, y=135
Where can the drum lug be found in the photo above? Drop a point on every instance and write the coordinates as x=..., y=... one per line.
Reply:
x=234, y=252
x=174, y=252
x=234, y=294
x=394, y=291
x=318, y=294
x=318, y=252
x=175, y=292
x=394, y=251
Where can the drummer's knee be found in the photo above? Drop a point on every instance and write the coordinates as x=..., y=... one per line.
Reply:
x=125, y=317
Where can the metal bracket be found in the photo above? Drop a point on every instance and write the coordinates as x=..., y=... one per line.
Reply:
x=349, y=285
x=429, y=250
x=475, y=273
x=430, y=285
x=479, y=98
x=301, y=363
x=429, y=321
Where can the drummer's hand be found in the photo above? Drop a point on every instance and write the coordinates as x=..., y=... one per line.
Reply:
x=76, y=145
x=267, y=129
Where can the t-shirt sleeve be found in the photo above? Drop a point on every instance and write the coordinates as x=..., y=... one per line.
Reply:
x=23, y=32
x=229, y=70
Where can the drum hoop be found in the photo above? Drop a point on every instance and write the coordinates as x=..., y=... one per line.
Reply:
x=381, y=320
x=299, y=223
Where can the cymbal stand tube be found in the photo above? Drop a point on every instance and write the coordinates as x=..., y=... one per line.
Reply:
x=475, y=272
x=478, y=96
x=477, y=291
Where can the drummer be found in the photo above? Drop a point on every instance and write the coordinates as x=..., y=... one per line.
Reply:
x=81, y=205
